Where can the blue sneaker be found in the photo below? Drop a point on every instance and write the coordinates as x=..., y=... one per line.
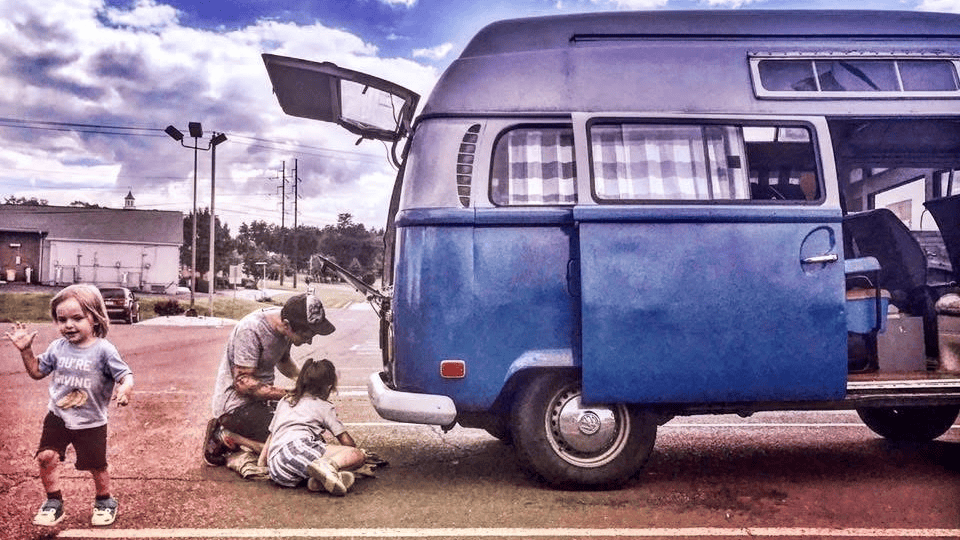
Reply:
x=104, y=512
x=49, y=514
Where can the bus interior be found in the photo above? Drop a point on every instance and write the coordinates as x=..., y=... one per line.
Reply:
x=900, y=194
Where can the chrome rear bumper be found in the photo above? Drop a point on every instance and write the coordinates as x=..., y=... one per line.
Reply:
x=410, y=407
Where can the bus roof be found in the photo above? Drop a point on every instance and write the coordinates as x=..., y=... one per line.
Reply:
x=561, y=31
x=679, y=61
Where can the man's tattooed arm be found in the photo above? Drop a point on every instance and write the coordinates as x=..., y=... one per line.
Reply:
x=247, y=385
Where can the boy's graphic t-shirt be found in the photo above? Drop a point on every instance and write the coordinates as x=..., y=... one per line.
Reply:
x=94, y=369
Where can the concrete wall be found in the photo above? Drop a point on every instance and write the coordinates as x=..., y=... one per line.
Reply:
x=54, y=245
x=137, y=266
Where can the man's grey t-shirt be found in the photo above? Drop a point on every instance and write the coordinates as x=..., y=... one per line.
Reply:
x=252, y=344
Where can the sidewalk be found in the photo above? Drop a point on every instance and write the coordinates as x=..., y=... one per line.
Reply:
x=182, y=320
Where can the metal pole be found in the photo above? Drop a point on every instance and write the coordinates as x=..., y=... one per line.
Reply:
x=193, y=263
x=213, y=218
x=296, y=238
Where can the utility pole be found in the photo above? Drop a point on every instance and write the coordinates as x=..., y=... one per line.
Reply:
x=296, y=235
x=283, y=216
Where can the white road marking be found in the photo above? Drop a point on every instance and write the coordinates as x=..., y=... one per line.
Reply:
x=670, y=426
x=689, y=532
x=763, y=425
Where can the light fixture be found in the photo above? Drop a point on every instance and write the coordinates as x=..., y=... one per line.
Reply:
x=174, y=133
x=196, y=131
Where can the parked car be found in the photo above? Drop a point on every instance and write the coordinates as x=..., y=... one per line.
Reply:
x=121, y=304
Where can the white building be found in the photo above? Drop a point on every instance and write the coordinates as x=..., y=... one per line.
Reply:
x=60, y=245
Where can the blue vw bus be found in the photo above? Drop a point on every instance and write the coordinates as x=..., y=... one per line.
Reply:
x=602, y=221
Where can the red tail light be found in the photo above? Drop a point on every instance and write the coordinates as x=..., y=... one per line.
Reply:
x=453, y=369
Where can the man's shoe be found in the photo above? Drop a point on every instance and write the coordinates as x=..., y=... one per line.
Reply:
x=50, y=513
x=214, y=451
x=104, y=512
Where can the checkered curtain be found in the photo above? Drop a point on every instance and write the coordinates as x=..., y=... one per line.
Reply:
x=536, y=167
x=660, y=162
x=727, y=157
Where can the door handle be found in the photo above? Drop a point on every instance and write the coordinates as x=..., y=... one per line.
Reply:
x=821, y=259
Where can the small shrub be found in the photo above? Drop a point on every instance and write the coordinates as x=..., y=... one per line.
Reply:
x=168, y=307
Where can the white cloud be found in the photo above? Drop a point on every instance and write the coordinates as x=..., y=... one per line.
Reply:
x=633, y=4
x=434, y=53
x=80, y=62
x=146, y=14
x=401, y=3
x=948, y=6
x=728, y=3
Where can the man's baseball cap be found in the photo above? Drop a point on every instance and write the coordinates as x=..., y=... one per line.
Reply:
x=305, y=312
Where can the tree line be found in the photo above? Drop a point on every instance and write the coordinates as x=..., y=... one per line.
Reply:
x=285, y=250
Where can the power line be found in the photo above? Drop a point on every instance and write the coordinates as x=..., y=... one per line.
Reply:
x=106, y=129
x=18, y=122
x=280, y=145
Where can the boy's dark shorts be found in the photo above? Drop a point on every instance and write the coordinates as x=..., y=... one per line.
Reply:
x=90, y=444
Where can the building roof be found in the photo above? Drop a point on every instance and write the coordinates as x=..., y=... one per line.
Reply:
x=98, y=224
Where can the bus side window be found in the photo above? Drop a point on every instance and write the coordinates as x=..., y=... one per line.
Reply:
x=709, y=162
x=534, y=166
x=782, y=164
x=664, y=162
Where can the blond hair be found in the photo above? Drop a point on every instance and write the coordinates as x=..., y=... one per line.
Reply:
x=91, y=302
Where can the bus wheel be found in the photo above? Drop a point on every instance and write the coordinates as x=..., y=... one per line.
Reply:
x=568, y=443
x=917, y=424
x=499, y=429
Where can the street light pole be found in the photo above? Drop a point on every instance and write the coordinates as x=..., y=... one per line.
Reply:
x=193, y=251
x=196, y=131
x=217, y=139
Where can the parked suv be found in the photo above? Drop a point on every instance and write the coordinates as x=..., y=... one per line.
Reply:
x=121, y=304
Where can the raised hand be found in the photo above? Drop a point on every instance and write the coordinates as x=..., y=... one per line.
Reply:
x=21, y=338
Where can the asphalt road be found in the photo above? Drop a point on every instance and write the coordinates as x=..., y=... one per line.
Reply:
x=774, y=475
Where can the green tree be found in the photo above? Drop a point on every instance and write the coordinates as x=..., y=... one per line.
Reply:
x=23, y=201
x=346, y=241
x=224, y=245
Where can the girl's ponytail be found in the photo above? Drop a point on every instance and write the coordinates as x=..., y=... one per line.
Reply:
x=317, y=378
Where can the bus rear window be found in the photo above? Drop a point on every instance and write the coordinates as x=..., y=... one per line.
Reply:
x=534, y=166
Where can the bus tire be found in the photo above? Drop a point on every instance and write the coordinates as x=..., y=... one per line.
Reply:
x=499, y=428
x=567, y=444
x=915, y=424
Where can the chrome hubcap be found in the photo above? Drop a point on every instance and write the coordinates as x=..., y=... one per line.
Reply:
x=586, y=436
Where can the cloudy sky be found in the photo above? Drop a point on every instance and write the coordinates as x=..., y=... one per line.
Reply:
x=89, y=85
